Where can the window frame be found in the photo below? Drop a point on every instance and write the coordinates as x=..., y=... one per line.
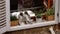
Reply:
x=32, y=25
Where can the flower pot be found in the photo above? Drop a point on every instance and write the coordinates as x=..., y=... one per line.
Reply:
x=49, y=17
x=38, y=19
x=14, y=23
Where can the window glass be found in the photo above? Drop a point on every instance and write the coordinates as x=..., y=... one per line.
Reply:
x=32, y=11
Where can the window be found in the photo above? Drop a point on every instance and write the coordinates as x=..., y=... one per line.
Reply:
x=33, y=13
x=27, y=14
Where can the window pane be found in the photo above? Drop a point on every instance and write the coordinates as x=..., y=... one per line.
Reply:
x=32, y=11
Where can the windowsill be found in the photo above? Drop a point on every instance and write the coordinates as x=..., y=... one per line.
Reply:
x=32, y=25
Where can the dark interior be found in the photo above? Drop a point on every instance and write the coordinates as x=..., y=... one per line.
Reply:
x=13, y=4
